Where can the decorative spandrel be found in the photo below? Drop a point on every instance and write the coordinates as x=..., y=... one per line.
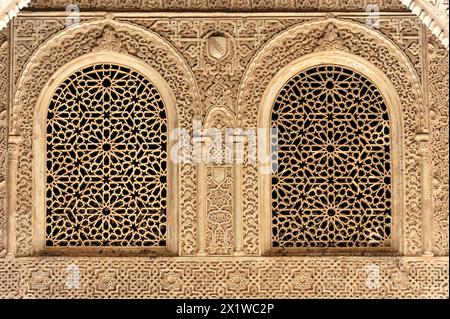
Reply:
x=333, y=183
x=106, y=166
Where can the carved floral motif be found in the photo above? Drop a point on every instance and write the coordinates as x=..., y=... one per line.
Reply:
x=438, y=76
x=172, y=278
x=4, y=73
x=306, y=38
x=241, y=5
x=144, y=45
x=223, y=87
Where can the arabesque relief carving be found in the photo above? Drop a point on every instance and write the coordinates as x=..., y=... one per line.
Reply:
x=245, y=5
x=4, y=72
x=438, y=103
x=283, y=49
x=219, y=71
x=175, y=73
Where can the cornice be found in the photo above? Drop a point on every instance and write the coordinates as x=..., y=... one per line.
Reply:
x=433, y=13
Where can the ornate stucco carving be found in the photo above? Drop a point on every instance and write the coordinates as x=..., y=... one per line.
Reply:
x=4, y=73
x=439, y=111
x=307, y=38
x=222, y=81
x=251, y=278
x=225, y=5
x=434, y=14
x=75, y=42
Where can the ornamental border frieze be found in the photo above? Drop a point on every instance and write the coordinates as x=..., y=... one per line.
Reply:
x=223, y=5
x=438, y=84
x=433, y=14
x=224, y=278
x=4, y=73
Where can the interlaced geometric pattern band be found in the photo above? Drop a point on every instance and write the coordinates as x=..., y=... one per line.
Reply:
x=332, y=188
x=106, y=167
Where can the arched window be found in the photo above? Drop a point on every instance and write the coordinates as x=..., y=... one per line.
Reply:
x=333, y=186
x=106, y=161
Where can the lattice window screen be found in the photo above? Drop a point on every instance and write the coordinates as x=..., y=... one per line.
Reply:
x=106, y=161
x=333, y=184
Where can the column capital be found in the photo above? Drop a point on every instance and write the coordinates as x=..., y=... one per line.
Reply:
x=14, y=139
x=423, y=137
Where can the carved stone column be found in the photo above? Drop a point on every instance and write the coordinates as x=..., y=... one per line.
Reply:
x=220, y=232
x=240, y=145
x=13, y=150
x=426, y=181
x=199, y=144
x=238, y=215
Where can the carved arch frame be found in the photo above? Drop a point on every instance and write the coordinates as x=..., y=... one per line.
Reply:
x=39, y=147
x=355, y=63
x=368, y=45
x=139, y=47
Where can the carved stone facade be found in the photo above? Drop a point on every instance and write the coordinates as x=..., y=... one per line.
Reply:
x=225, y=71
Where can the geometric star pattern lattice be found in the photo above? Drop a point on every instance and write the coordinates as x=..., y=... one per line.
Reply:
x=106, y=161
x=333, y=183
